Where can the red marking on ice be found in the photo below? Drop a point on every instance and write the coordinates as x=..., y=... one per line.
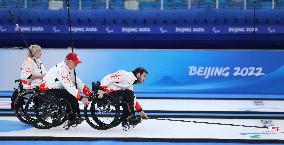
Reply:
x=275, y=128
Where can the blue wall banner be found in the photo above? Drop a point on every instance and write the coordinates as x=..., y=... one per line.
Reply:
x=170, y=29
x=175, y=71
x=136, y=29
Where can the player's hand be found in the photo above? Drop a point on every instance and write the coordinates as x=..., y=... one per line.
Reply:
x=143, y=115
x=101, y=93
x=85, y=101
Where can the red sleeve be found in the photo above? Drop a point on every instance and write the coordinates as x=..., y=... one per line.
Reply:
x=26, y=82
x=106, y=89
x=137, y=106
x=79, y=96
x=86, y=90
x=42, y=86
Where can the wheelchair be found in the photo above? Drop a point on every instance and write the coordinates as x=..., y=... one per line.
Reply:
x=45, y=110
x=33, y=107
x=18, y=101
x=104, y=113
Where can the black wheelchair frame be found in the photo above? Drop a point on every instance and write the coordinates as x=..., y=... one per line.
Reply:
x=18, y=101
x=104, y=113
x=44, y=110
x=33, y=107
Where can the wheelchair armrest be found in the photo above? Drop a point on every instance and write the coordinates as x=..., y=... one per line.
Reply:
x=20, y=86
x=96, y=86
x=37, y=89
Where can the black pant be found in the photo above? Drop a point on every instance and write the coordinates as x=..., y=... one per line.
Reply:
x=126, y=96
x=72, y=104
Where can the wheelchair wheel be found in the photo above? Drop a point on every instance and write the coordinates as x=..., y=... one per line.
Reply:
x=123, y=106
x=19, y=104
x=103, y=114
x=44, y=110
x=13, y=98
x=63, y=112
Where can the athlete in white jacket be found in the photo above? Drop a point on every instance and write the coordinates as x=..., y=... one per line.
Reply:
x=32, y=70
x=121, y=83
x=60, y=80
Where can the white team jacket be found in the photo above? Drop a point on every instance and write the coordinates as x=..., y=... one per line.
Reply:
x=118, y=81
x=61, y=77
x=28, y=68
